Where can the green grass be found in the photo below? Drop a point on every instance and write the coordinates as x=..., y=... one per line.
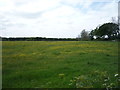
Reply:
x=38, y=64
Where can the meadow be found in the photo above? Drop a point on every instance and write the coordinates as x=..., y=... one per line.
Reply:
x=59, y=64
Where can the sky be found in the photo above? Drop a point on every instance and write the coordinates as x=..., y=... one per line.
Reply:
x=54, y=18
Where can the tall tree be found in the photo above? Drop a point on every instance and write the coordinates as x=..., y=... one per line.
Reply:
x=108, y=29
x=84, y=35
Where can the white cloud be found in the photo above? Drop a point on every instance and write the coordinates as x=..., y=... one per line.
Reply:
x=53, y=18
x=6, y=5
x=37, y=6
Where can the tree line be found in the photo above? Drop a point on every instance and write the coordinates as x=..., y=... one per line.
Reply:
x=36, y=39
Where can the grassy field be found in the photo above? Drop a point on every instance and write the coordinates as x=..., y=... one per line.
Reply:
x=55, y=64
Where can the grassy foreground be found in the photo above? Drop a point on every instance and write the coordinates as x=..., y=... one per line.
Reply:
x=52, y=64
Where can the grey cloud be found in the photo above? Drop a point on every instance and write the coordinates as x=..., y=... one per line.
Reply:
x=5, y=23
x=33, y=15
x=19, y=3
x=22, y=2
x=28, y=15
x=20, y=24
x=23, y=14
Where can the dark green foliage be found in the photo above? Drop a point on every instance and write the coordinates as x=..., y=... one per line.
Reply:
x=109, y=29
x=36, y=39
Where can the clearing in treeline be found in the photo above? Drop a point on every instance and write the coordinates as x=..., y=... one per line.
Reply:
x=59, y=64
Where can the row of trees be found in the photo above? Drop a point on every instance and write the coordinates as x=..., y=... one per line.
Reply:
x=35, y=39
x=107, y=31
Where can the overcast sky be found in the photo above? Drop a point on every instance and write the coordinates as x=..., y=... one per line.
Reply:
x=53, y=18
